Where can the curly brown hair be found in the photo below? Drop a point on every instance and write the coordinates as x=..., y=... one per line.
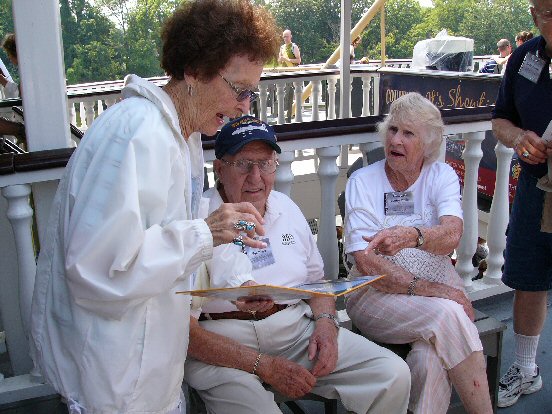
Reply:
x=202, y=36
x=8, y=44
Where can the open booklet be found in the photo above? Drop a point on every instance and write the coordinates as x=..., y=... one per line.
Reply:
x=277, y=293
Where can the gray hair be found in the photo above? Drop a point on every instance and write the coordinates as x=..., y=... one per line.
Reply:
x=503, y=43
x=415, y=109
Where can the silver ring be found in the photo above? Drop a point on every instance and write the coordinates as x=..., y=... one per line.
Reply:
x=238, y=241
x=525, y=154
x=243, y=225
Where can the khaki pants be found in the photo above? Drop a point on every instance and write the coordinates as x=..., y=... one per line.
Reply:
x=368, y=378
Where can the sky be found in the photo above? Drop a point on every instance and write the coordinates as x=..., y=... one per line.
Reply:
x=425, y=3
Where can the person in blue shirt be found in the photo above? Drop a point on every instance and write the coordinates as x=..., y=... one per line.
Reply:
x=522, y=114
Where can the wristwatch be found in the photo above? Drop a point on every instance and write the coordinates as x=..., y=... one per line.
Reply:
x=420, y=238
x=329, y=316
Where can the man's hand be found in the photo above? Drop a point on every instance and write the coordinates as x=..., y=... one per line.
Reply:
x=285, y=376
x=323, y=347
x=261, y=305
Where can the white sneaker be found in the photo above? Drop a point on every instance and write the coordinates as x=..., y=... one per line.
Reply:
x=514, y=383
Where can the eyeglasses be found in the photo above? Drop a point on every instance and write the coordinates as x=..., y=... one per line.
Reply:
x=545, y=15
x=242, y=93
x=245, y=166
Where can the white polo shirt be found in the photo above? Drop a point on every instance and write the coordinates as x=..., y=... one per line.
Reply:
x=296, y=256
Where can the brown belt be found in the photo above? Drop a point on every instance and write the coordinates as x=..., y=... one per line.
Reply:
x=257, y=316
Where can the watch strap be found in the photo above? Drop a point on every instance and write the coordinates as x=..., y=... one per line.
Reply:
x=420, y=238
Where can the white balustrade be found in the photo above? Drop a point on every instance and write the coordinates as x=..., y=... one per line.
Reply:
x=315, y=98
x=472, y=156
x=327, y=236
x=263, y=98
x=284, y=174
x=89, y=113
x=499, y=215
x=298, y=100
x=110, y=101
x=16, y=308
x=366, y=95
x=331, y=97
x=280, y=93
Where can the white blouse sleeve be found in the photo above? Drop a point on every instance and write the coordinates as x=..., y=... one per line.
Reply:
x=361, y=217
x=122, y=248
x=447, y=194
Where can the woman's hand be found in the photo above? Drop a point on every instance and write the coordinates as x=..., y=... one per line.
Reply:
x=391, y=240
x=221, y=222
x=285, y=376
x=460, y=297
x=260, y=305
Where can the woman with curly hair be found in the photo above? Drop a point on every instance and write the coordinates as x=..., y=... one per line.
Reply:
x=109, y=332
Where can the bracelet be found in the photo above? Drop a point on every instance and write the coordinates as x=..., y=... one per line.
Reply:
x=412, y=286
x=329, y=316
x=256, y=364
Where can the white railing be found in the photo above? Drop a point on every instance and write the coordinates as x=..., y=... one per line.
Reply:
x=316, y=201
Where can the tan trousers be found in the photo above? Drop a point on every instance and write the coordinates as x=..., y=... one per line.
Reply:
x=368, y=378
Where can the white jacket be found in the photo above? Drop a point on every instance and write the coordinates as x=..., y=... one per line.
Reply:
x=108, y=330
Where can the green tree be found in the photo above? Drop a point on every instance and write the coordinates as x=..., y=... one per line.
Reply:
x=503, y=19
x=144, y=35
x=91, y=43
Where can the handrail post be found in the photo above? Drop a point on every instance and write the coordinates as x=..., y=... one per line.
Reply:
x=284, y=174
x=327, y=236
x=17, y=293
x=499, y=214
x=472, y=156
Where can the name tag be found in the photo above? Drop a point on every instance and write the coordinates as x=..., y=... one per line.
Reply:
x=531, y=67
x=399, y=203
x=260, y=257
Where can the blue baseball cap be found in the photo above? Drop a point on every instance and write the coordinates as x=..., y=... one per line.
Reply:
x=241, y=131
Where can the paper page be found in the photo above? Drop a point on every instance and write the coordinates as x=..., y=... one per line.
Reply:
x=279, y=293
x=547, y=136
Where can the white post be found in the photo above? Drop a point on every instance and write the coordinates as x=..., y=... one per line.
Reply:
x=284, y=175
x=280, y=92
x=366, y=95
x=376, y=94
x=298, y=101
x=327, y=236
x=331, y=98
x=498, y=220
x=315, y=98
x=472, y=156
x=345, y=44
x=263, y=97
x=40, y=57
x=89, y=111
x=17, y=293
x=110, y=101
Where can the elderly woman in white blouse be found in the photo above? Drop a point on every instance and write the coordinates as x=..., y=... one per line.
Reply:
x=403, y=217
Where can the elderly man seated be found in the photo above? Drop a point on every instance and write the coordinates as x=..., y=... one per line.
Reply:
x=296, y=347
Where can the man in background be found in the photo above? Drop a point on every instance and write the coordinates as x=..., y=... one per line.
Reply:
x=289, y=56
x=498, y=63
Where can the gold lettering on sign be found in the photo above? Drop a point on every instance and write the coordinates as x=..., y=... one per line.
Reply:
x=456, y=100
x=393, y=94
